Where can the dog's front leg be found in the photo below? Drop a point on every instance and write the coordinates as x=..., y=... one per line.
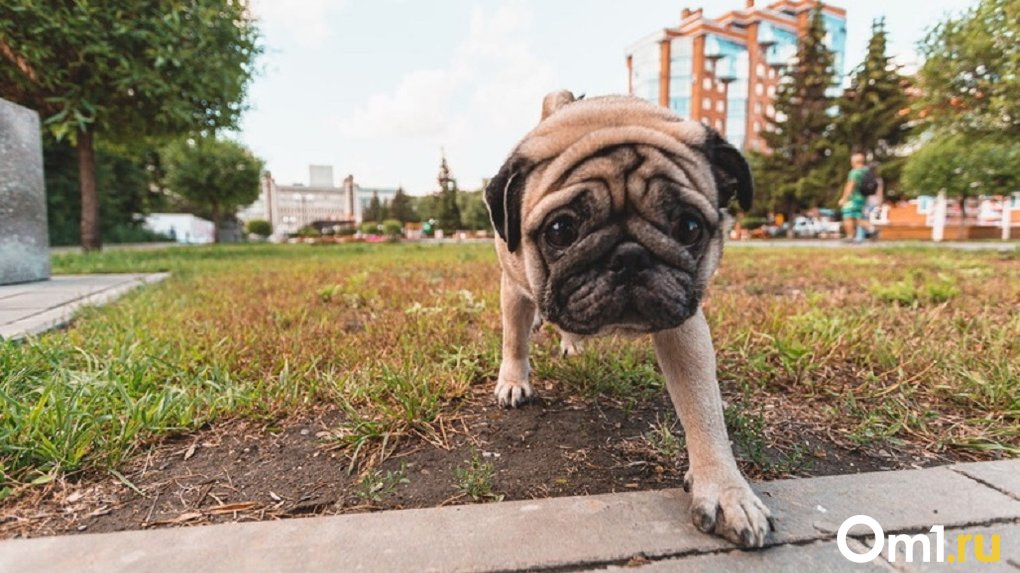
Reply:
x=722, y=501
x=512, y=387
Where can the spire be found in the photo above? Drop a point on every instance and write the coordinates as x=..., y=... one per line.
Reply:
x=445, y=179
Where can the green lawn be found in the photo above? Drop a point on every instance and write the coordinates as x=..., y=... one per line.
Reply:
x=913, y=346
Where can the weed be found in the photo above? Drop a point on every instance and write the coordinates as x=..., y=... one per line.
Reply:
x=663, y=441
x=374, y=485
x=475, y=479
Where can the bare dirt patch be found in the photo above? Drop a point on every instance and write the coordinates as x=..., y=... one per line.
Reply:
x=560, y=445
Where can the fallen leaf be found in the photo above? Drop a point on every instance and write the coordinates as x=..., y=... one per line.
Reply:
x=190, y=452
x=233, y=507
x=275, y=497
x=182, y=518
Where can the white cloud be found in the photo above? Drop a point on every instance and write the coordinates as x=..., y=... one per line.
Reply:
x=306, y=21
x=477, y=106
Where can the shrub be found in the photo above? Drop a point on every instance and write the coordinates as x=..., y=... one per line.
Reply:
x=308, y=231
x=259, y=227
x=370, y=228
x=392, y=228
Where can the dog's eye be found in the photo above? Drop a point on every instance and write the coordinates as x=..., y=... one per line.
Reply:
x=562, y=232
x=688, y=229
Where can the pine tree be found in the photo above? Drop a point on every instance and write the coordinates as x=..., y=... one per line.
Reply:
x=449, y=212
x=374, y=211
x=874, y=113
x=798, y=137
x=401, y=208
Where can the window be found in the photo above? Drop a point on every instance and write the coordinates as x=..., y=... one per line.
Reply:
x=706, y=104
x=707, y=83
x=720, y=106
x=758, y=89
x=761, y=70
x=757, y=108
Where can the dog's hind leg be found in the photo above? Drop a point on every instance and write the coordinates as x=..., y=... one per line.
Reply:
x=570, y=344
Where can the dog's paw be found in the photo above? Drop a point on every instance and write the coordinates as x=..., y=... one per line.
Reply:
x=511, y=393
x=570, y=345
x=729, y=510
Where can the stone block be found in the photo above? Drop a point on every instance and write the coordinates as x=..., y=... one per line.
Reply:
x=24, y=239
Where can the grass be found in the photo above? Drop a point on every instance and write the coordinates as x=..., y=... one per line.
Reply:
x=911, y=346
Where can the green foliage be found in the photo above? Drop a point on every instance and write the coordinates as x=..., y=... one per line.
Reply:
x=370, y=228
x=874, y=112
x=374, y=211
x=475, y=479
x=797, y=137
x=140, y=69
x=259, y=227
x=217, y=174
x=374, y=485
x=392, y=228
x=448, y=215
x=964, y=164
x=971, y=75
x=474, y=213
x=402, y=208
x=125, y=187
x=145, y=68
x=308, y=232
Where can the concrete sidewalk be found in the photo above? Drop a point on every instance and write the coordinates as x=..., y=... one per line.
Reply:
x=32, y=308
x=649, y=531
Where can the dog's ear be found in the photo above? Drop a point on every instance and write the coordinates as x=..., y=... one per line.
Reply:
x=503, y=196
x=731, y=172
x=555, y=100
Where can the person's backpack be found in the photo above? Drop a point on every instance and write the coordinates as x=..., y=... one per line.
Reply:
x=869, y=182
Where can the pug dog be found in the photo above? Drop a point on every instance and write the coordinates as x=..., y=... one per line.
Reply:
x=610, y=217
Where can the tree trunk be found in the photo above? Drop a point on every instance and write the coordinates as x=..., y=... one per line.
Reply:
x=216, y=222
x=91, y=238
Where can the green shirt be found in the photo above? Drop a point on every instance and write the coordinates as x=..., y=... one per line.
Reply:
x=857, y=177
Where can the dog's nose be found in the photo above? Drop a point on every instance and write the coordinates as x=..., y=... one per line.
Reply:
x=629, y=258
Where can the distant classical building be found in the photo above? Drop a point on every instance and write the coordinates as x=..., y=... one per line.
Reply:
x=290, y=207
x=724, y=71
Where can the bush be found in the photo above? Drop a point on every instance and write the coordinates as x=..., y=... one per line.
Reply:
x=259, y=227
x=308, y=231
x=392, y=228
x=752, y=223
x=370, y=228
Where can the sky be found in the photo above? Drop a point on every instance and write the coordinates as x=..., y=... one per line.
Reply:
x=381, y=88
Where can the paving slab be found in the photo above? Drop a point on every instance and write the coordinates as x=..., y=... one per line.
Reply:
x=574, y=533
x=899, y=500
x=1006, y=558
x=815, y=557
x=1001, y=475
x=32, y=308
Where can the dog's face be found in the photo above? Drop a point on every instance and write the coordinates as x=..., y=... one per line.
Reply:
x=615, y=209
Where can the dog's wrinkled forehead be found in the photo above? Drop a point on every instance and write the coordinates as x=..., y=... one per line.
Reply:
x=572, y=131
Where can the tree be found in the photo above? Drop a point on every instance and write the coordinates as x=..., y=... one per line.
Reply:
x=143, y=69
x=401, y=208
x=963, y=165
x=874, y=112
x=798, y=136
x=474, y=213
x=216, y=174
x=971, y=75
x=374, y=210
x=259, y=227
x=127, y=186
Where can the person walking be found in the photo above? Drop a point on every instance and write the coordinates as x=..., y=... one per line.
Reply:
x=853, y=200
